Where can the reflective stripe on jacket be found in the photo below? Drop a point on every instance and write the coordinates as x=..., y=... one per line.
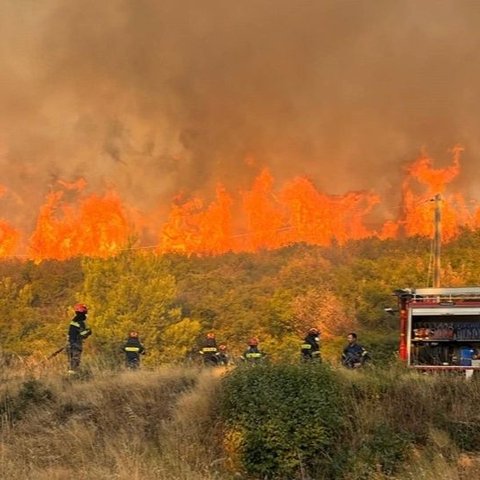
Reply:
x=132, y=349
x=208, y=350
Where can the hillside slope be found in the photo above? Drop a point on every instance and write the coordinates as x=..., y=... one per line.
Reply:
x=189, y=424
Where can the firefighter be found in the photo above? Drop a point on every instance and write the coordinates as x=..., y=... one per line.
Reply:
x=310, y=349
x=253, y=354
x=77, y=333
x=209, y=350
x=223, y=356
x=354, y=355
x=133, y=349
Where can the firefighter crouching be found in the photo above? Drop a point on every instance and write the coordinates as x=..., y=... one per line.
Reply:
x=133, y=349
x=253, y=354
x=209, y=350
x=77, y=333
x=310, y=349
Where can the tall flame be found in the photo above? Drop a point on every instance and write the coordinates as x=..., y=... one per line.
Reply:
x=192, y=228
x=9, y=236
x=96, y=226
x=319, y=219
x=9, y=239
x=418, y=208
x=264, y=215
x=71, y=223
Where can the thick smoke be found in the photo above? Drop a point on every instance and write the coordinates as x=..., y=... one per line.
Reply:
x=155, y=97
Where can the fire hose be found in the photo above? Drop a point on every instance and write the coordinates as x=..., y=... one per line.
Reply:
x=54, y=354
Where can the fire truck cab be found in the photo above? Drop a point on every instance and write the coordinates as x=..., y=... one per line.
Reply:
x=440, y=328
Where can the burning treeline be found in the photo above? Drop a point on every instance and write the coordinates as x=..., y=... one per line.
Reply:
x=72, y=223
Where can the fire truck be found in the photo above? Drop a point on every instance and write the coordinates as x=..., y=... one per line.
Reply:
x=440, y=328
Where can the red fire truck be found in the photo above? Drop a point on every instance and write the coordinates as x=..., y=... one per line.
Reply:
x=440, y=328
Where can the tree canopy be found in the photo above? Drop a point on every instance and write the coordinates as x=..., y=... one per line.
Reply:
x=173, y=300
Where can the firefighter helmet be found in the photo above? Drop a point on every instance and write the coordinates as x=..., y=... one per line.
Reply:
x=253, y=342
x=210, y=335
x=133, y=334
x=314, y=331
x=222, y=347
x=80, y=308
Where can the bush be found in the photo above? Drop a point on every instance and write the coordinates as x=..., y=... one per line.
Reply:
x=282, y=421
x=384, y=450
x=465, y=434
x=31, y=394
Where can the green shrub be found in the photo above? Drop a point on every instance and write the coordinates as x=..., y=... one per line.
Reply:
x=31, y=393
x=284, y=419
x=465, y=434
x=385, y=449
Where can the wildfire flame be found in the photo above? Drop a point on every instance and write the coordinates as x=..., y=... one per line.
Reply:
x=71, y=223
x=96, y=226
x=418, y=208
x=192, y=228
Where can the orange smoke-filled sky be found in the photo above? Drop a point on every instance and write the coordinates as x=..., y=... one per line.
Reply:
x=156, y=97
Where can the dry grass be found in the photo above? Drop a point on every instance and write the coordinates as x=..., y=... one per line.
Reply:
x=438, y=413
x=126, y=425
x=160, y=424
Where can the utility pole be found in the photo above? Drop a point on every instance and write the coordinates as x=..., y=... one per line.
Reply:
x=437, y=240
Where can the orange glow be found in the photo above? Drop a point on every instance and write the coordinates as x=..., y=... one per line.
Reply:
x=320, y=219
x=9, y=235
x=96, y=226
x=418, y=208
x=9, y=239
x=265, y=216
x=298, y=212
x=192, y=228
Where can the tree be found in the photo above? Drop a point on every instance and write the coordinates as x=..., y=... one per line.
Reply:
x=324, y=310
x=133, y=291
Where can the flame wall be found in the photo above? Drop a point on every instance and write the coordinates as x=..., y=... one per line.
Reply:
x=149, y=99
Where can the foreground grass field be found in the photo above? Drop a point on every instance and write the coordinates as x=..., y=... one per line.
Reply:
x=130, y=425
x=180, y=423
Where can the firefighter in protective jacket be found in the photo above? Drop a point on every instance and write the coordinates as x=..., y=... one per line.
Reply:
x=133, y=349
x=209, y=350
x=310, y=349
x=223, y=356
x=77, y=333
x=253, y=354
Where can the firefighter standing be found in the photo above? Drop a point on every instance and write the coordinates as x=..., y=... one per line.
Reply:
x=354, y=355
x=209, y=350
x=310, y=349
x=253, y=354
x=133, y=349
x=77, y=333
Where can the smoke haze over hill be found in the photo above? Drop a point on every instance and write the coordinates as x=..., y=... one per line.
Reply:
x=156, y=97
